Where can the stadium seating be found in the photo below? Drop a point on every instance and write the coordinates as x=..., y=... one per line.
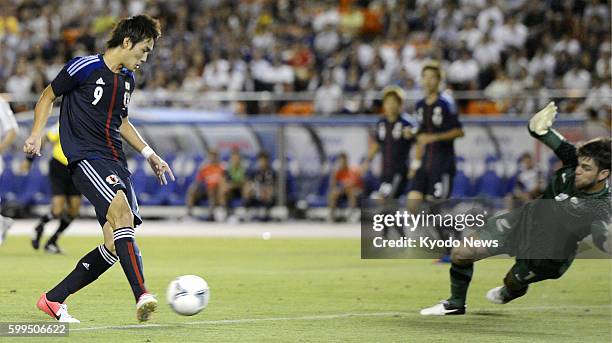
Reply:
x=490, y=183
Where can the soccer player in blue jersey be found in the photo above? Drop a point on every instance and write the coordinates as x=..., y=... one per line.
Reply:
x=96, y=92
x=439, y=126
x=433, y=168
x=394, y=137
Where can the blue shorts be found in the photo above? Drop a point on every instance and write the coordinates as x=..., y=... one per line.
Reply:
x=99, y=180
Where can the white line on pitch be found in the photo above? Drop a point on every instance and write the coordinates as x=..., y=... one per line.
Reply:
x=332, y=316
x=246, y=320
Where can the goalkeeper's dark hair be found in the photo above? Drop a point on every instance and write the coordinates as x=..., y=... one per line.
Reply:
x=136, y=28
x=598, y=150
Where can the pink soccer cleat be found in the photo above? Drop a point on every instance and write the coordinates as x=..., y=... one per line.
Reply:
x=55, y=309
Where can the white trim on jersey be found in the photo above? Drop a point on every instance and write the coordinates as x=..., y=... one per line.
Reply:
x=451, y=102
x=81, y=63
x=78, y=62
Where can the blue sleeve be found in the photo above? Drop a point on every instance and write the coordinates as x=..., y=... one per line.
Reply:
x=63, y=82
x=72, y=74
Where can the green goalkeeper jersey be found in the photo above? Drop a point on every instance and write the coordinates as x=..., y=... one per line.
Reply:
x=552, y=226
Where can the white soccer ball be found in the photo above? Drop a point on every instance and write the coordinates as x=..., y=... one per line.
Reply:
x=188, y=295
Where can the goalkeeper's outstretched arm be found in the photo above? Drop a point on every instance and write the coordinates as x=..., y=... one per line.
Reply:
x=540, y=127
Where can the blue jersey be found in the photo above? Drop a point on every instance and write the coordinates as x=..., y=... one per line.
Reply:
x=395, y=141
x=94, y=102
x=438, y=117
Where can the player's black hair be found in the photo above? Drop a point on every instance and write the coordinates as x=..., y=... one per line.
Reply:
x=598, y=150
x=136, y=28
x=435, y=66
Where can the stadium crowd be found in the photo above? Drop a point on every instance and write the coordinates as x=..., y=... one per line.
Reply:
x=343, y=52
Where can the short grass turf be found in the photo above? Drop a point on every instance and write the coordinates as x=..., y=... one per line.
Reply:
x=300, y=282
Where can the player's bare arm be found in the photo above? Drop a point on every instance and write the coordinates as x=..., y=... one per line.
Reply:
x=159, y=166
x=371, y=153
x=41, y=115
x=415, y=164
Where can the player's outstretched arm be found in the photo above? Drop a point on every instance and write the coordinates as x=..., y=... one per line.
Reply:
x=43, y=109
x=540, y=127
x=159, y=166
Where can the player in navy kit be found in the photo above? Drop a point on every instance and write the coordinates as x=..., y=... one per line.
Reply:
x=394, y=137
x=93, y=118
x=438, y=118
x=433, y=168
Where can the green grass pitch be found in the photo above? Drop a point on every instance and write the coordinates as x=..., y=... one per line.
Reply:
x=299, y=290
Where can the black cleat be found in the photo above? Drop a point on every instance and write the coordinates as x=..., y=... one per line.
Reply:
x=38, y=231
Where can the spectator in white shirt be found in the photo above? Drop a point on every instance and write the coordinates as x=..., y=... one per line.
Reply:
x=491, y=17
x=500, y=90
x=542, y=61
x=446, y=32
x=487, y=52
x=259, y=71
x=328, y=96
x=577, y=78
x=470, y=34
x=192, y=82
x=216, y=73
x=602, y=66
x=280, y=75
x=463, y=73
x=567, y=44
x=20, y=83
x=512, y=34
x=327, y=40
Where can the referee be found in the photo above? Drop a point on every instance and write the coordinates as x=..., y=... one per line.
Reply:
x=65, y=195
x=8, y=133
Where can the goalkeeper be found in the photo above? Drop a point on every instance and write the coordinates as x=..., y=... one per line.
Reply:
x=543, y=234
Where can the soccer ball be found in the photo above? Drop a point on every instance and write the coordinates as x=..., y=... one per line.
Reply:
x=188, y=295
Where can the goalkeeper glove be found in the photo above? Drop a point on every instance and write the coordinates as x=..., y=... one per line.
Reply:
x=543, y=120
